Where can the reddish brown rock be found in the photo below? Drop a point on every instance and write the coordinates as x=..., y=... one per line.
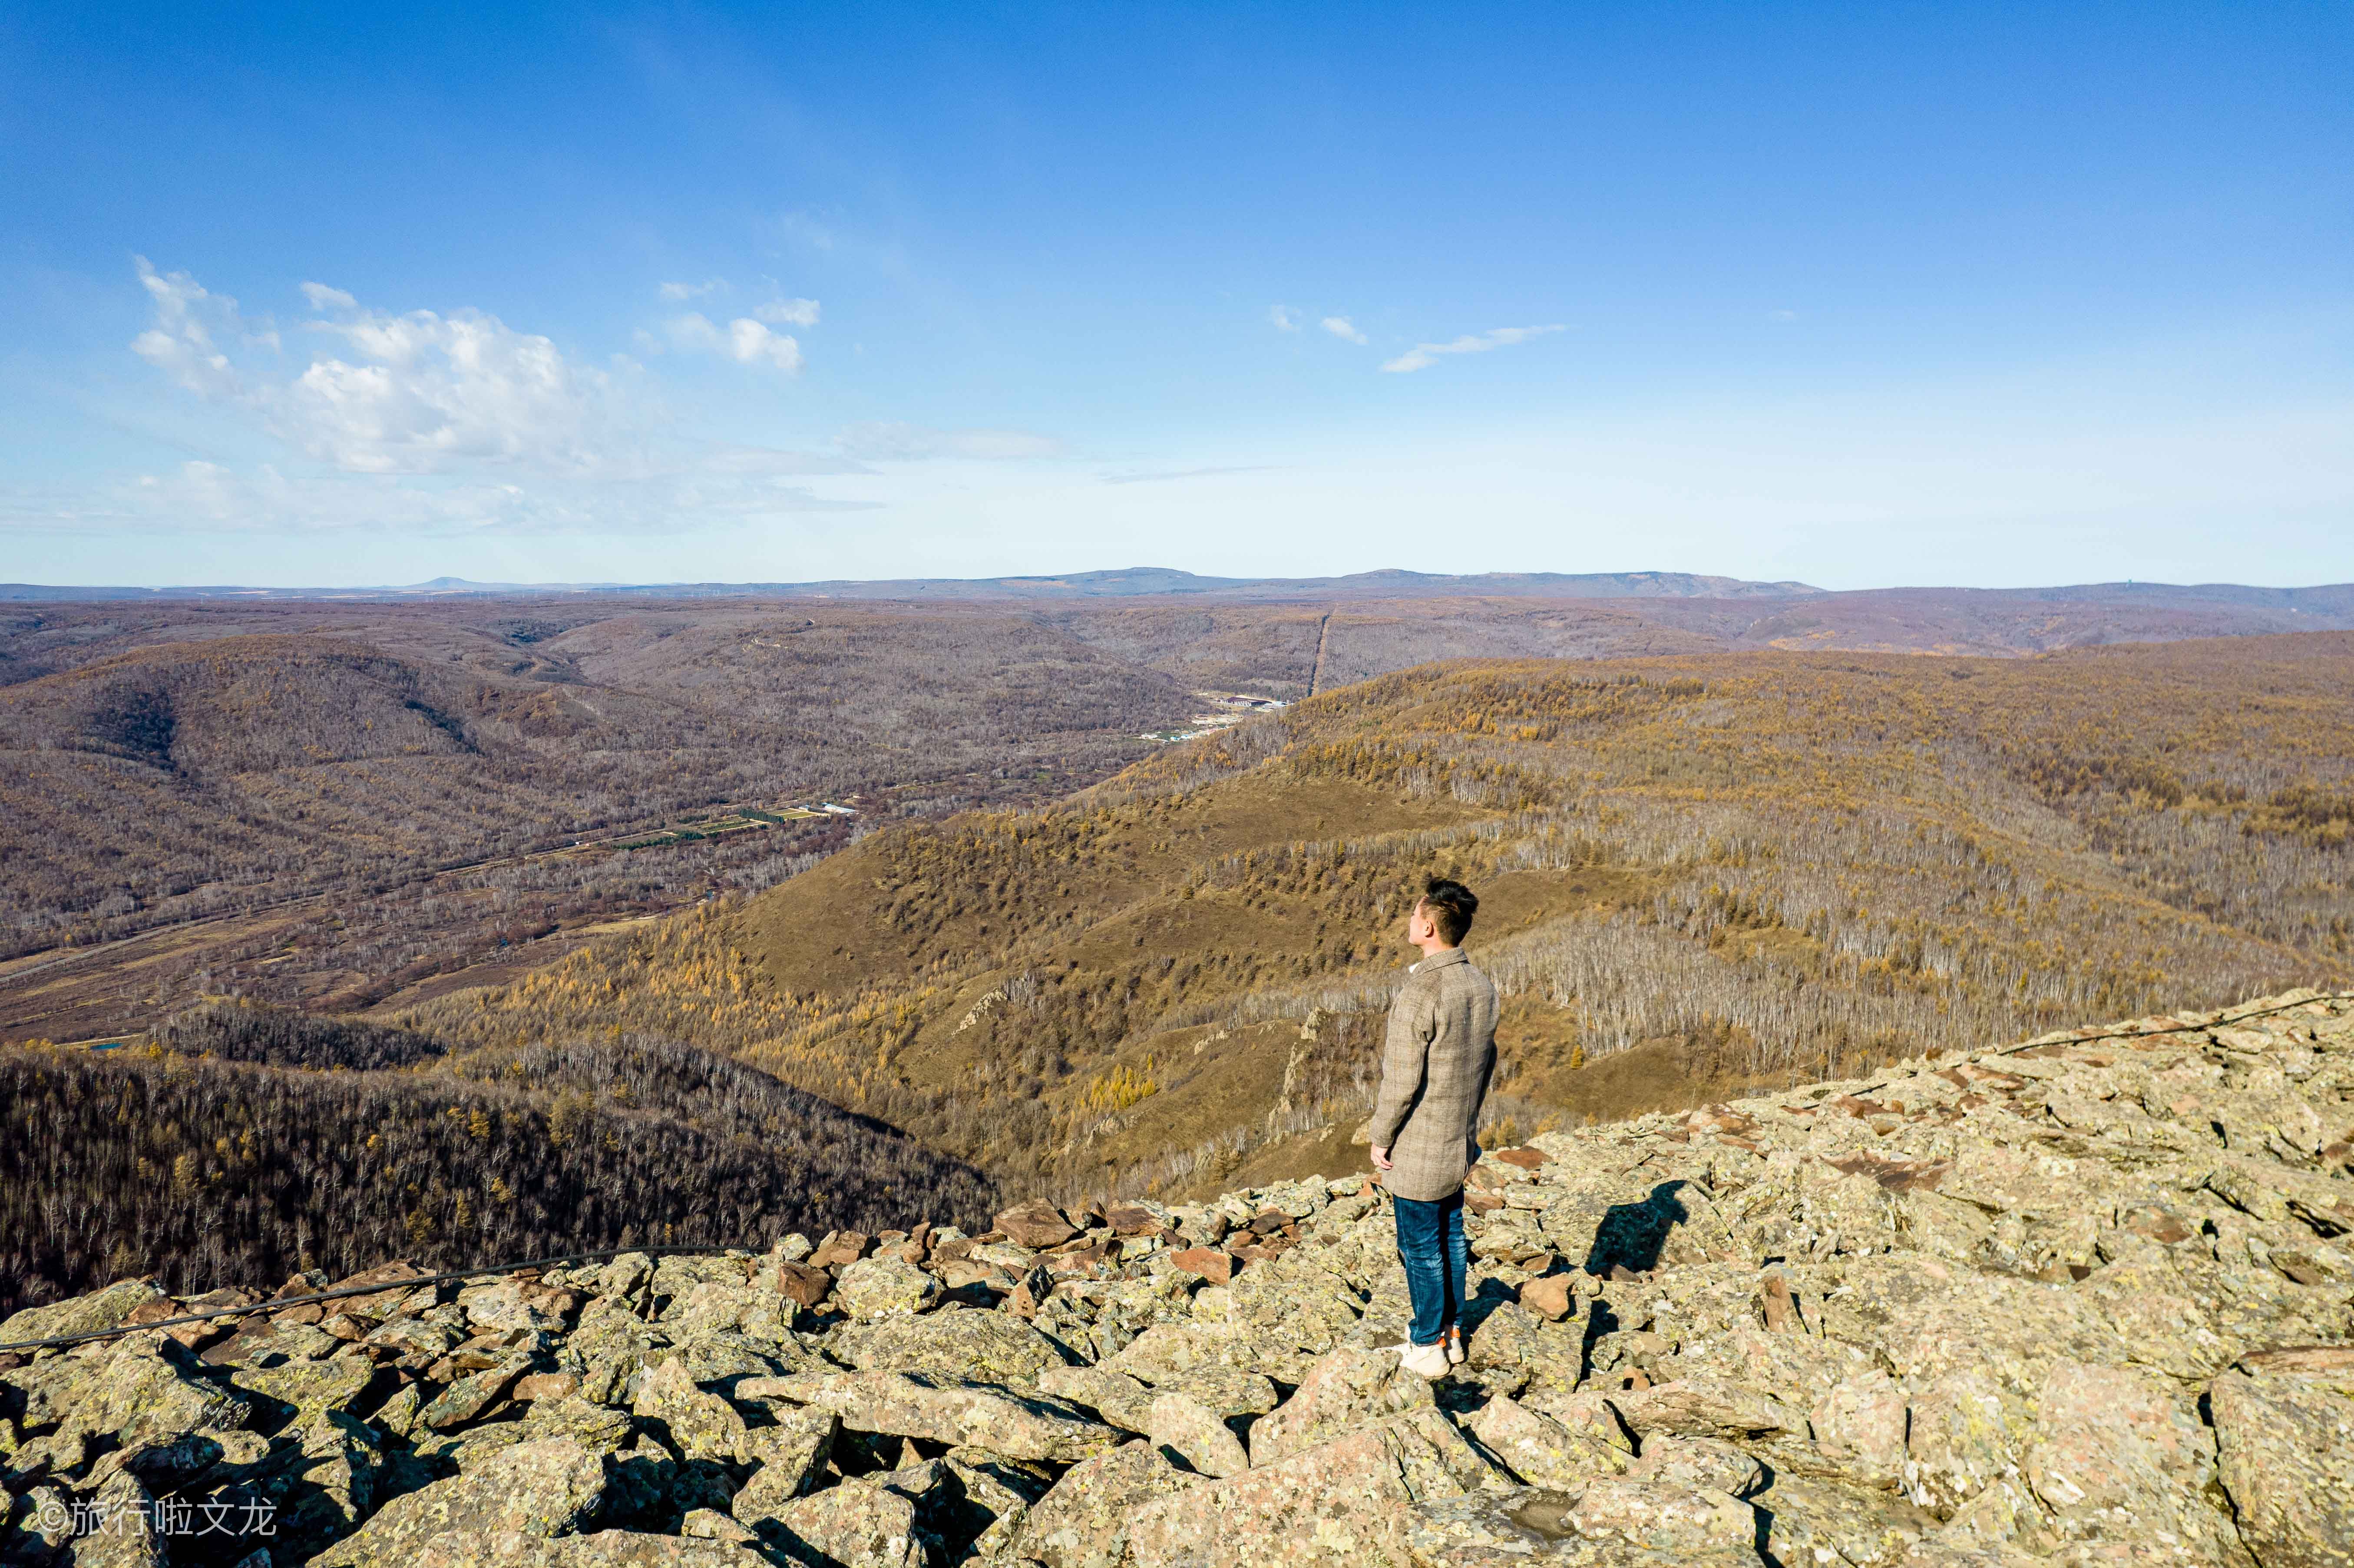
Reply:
x=1481, y=1202
x=1526, y=1159
x=1213, y=1264
x=1548, y=1298
x=839, y=1247
x=801, y=1285
x=1131, y=1220
x=1035, y=1225
x=543, y=1385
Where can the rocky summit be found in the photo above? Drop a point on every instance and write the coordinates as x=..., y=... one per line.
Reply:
x=2080, y=1300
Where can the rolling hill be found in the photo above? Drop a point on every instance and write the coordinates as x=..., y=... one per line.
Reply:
x=1699, y=874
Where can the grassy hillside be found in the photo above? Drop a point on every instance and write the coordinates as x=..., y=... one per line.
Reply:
x=193, y=1157
x=1696, y=874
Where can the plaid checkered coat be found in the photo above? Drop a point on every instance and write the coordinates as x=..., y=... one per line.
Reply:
x=1435, y=1063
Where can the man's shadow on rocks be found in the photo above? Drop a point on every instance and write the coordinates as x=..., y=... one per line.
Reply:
x=1633, y=1235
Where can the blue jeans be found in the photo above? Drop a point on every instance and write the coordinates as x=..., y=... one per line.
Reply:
x=1430, y=1244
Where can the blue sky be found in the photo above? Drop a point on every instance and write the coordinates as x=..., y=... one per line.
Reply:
x=1858, y=295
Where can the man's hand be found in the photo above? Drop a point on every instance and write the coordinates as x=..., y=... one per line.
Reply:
x=1381, y=1158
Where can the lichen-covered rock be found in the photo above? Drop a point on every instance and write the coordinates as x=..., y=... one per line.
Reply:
x=867, y=1521
x=984, y=1347
x=1962, y=1436
x=606, y=1548
x=1814, y=1520
x=884, y=1288
x=91, y=1314
x=1531, y=1528
x=1165, y=1351
x=1118, y=1398
x=1860, y=1425
x=1348, y=1500
x=1542, y=1451
x=1195, y=1433
x=788, y=1459
x=303, y=1391
x=1706, y=1407
x=1026, y=1426
x=468, y=1397
x=1347, y=1388
x=140, y=1389
x=2286, y=1434
x=533, y=1489
x=1082, y=1521
x=1710, y=1462
x=699, y=1425
x=2120, y=1457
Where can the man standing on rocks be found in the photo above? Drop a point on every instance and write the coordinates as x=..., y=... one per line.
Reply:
x=1435, y=1063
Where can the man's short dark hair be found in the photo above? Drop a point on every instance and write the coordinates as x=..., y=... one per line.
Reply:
x=1451, y=905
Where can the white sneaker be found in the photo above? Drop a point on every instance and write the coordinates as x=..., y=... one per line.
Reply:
x=1428, y=1361
x=1454, y=1343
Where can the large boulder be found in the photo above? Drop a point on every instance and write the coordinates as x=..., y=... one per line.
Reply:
x=789, y=1458
x=1083, y=1522
x=2120, y=1457
x=1344, y=1389
x=984, y=1347
x=867, y=1521
x=1542, y=1451
x=1185, y=1426
x=140, y=1389
x=1118, y=1398
x=940, y=1409
x=1035, y=1225
x=1348, y=1500
x=92, y=1314
x=884, y=1287
x=546, y=1489
x=699, y=1425
x=1535, y=1528
x=2286, y=1432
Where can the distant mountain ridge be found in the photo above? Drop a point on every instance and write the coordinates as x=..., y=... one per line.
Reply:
x=1164, y=582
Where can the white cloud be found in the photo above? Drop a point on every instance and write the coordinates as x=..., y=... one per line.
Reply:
x=1285, y=318
x=428, y=391
x=743, y=340
x=883, y=442
x=1423, y=355
x=1342, y=328
x=181, y=343
x=690, y=290
x=788, y=312
x=1781, y=315
x=419, y=394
